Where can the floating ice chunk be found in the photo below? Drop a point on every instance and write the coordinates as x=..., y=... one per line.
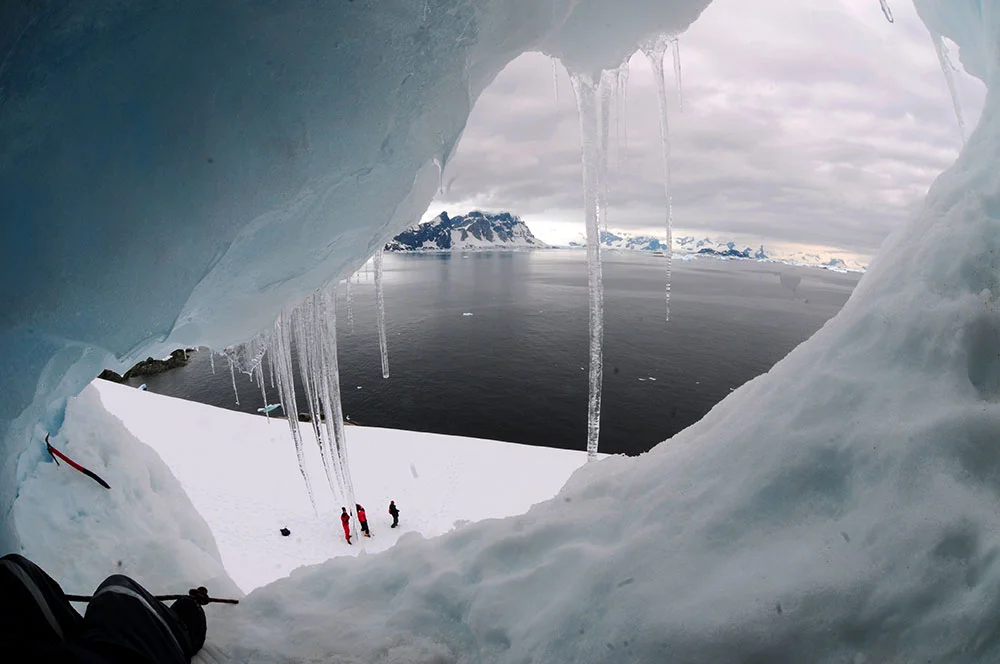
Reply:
x=468, y=313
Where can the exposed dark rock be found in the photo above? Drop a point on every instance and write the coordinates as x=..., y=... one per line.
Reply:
x=151, y=367
x=108, y=374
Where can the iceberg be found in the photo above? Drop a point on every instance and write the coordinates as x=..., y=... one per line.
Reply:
x=845, y=506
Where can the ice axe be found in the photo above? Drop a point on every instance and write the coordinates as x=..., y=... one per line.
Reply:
x=56, y=455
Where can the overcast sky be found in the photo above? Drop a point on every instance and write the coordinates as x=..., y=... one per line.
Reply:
x=813, y=122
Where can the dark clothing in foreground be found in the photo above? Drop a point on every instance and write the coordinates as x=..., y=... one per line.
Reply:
x=394, y=512
x=124, y=624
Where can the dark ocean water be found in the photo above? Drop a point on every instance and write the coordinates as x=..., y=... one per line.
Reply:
x=515, y=370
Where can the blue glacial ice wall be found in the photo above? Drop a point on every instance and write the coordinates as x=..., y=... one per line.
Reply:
x=176, y=173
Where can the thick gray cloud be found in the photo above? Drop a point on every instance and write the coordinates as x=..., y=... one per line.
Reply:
x=809, y=122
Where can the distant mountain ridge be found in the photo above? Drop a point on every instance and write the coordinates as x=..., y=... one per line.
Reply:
x=692, y=246
x=476, y=230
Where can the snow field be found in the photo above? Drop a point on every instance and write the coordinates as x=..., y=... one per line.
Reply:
x=242, y=476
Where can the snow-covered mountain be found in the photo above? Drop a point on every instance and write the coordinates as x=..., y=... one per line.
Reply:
x=705, y=246
x=476, y=230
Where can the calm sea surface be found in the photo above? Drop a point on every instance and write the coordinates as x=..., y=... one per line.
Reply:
x=515, y=369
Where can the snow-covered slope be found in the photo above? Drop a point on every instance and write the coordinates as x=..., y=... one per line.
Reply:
x=476, y=230
x=438, y=482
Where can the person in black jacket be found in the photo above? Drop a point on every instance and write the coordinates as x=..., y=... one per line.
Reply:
x=394, y=512
x=124, y=623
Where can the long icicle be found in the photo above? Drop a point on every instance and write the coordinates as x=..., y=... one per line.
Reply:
x=623, y=72
x=211, y=359
x=232, y=374
x=303, y=343
x=321, y=361
x=555, y=79
x=675, y=49
x=263, y=391
x=655, y=51
x=380, y=314
x=332, y=376
x=281, y=355
x=587, y=103
x=311, y=363
x=949, y=76
x=604, y=91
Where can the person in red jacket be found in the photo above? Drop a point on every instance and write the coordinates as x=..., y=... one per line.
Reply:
x=363, y=520
x=345, y=520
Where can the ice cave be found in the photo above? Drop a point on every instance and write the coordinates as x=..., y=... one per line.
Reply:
x=188, y=173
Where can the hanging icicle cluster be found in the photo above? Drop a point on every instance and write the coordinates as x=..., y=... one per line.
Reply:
x=311, y=329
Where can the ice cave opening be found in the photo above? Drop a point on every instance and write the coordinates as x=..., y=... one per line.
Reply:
x=230, y=160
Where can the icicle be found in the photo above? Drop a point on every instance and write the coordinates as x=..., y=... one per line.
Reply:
x=604, y=91
x=232, y=374
x=676, y=50
x=308, y=341
x=587, y=102
x=281, y=354
x=332, y=377
x=948, y=68
x=886, y=10
x=623, y=72
x=380, y=312
x=350, y=307
x=440, y=167
x=321, y=362
x=270, y=371
x=263, y=392
x=655, y=51
x=555, y=79
x=211, y=359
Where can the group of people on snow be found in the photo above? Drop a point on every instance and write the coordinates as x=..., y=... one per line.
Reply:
x=345, y=520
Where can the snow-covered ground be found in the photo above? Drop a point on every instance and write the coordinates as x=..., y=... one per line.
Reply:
x=241, y=474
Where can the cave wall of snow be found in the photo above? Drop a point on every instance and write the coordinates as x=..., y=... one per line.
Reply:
x=176, y=173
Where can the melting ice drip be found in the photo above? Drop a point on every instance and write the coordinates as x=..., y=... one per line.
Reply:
x=655, y=50
x=380, y=313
